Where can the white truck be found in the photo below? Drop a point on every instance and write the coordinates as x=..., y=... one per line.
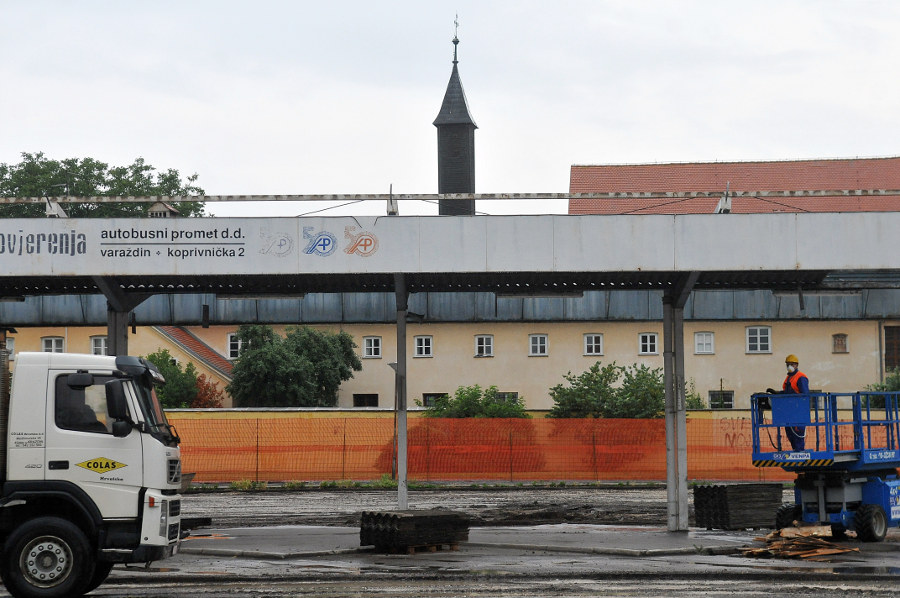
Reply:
x=91, y=472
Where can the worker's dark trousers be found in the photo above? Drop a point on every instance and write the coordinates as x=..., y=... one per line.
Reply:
x=797, y=437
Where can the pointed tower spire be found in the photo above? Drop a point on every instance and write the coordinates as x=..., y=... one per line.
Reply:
x=456, y=143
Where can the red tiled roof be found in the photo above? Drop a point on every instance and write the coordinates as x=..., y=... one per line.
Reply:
x=198, y=348
x=741, y=177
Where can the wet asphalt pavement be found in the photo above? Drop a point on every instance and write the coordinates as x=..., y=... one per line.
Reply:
x=254, y=548
x=575, y=541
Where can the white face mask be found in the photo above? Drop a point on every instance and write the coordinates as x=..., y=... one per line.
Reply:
x=791, y=369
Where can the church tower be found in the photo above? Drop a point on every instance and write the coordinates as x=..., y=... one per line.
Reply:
x=456, y=146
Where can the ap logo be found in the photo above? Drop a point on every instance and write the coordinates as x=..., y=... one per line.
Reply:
x=364, y=243
x=322, y=243
x=278, y=244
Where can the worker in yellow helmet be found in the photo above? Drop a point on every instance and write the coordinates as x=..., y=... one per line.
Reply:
x=796, y=383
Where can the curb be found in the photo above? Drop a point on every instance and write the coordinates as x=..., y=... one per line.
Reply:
x=650, y=552
x=258, y=554
x=632, y=552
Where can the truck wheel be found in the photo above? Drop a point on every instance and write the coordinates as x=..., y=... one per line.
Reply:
x=101, y=572
x=46, y=557
x=786, y=515
x=871, y=523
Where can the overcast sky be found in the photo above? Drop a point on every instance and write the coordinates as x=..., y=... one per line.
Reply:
x=293, y=97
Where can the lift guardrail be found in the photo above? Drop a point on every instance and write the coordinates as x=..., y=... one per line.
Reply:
x=853, y=431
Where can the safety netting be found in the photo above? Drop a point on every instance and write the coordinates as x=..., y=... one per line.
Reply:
x=282, y=449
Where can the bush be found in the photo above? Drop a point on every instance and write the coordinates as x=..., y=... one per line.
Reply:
x=692, y=398
x=587, y=393
x=641, y=396
x=891, y=382
x=471, y=401
x=594, y=393
x=208, y=394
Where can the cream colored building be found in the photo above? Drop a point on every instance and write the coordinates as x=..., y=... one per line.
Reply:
x=725, y=361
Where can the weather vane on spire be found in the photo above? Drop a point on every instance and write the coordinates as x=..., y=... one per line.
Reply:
x=455, y=36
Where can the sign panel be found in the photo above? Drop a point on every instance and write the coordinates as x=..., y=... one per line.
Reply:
x=347, y=245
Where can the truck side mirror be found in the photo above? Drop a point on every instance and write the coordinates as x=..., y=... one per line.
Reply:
x=117, y=408
x=121, y=429
x=116, y=403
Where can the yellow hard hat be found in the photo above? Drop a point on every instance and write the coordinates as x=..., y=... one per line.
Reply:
x=791, y=359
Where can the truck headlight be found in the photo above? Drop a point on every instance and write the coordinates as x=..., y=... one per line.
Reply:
x=164, y=519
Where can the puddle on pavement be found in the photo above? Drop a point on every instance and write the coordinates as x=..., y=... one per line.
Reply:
x=867, y=570
x=835, y=569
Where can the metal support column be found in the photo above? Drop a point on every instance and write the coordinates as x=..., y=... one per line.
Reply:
x=119, y=306
x=400, y=389
x=676, y=413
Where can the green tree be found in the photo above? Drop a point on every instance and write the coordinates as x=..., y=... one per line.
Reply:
x=472, y=401
x=587, y=394
x=38, y=176
x=641, y=395
x=254, y=335
x=597, y=392
x=180, y=390
x=302, y=369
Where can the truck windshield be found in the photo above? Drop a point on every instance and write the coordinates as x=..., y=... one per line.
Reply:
x=154, y=416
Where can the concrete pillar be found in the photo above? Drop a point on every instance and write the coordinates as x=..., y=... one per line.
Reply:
x=675, y=404
x=402, y=297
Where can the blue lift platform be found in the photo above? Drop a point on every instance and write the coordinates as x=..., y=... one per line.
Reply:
x=846, y=458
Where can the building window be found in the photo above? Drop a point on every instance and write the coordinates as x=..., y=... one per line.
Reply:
x=759, y=339
x=52, y=344
x=647, y=343
x=365, y=400
x=484, y=345
x=423, y=346
x=11, y=348
x=508, y=397
x=891, y=347
x=428, y=398
x=839, y=343
x=234, y=346
x=721, y=399
x=704, y=343
x=593, y=344
x=371, y=347
x=537, y=345
x=98, y=345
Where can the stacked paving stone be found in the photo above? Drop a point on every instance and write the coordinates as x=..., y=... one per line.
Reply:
x=405, y=531
x=737, y=506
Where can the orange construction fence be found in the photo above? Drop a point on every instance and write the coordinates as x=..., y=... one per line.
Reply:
x=280, y=449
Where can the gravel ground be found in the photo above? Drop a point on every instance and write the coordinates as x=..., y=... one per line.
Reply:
x=514, y=505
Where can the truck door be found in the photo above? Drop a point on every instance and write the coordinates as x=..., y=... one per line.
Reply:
x=81, y=448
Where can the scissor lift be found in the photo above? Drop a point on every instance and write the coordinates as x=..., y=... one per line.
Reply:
x=847, y=472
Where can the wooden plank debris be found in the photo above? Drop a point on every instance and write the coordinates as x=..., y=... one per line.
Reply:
x=808, y=543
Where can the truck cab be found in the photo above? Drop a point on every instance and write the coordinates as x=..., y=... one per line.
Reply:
x=92, y=472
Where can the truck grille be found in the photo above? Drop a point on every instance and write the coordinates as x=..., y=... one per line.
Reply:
x=174, y=508
x=174, y=531
x=174, y=471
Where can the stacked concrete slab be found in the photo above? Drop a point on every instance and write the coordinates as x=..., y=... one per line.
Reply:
x=737, y=506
